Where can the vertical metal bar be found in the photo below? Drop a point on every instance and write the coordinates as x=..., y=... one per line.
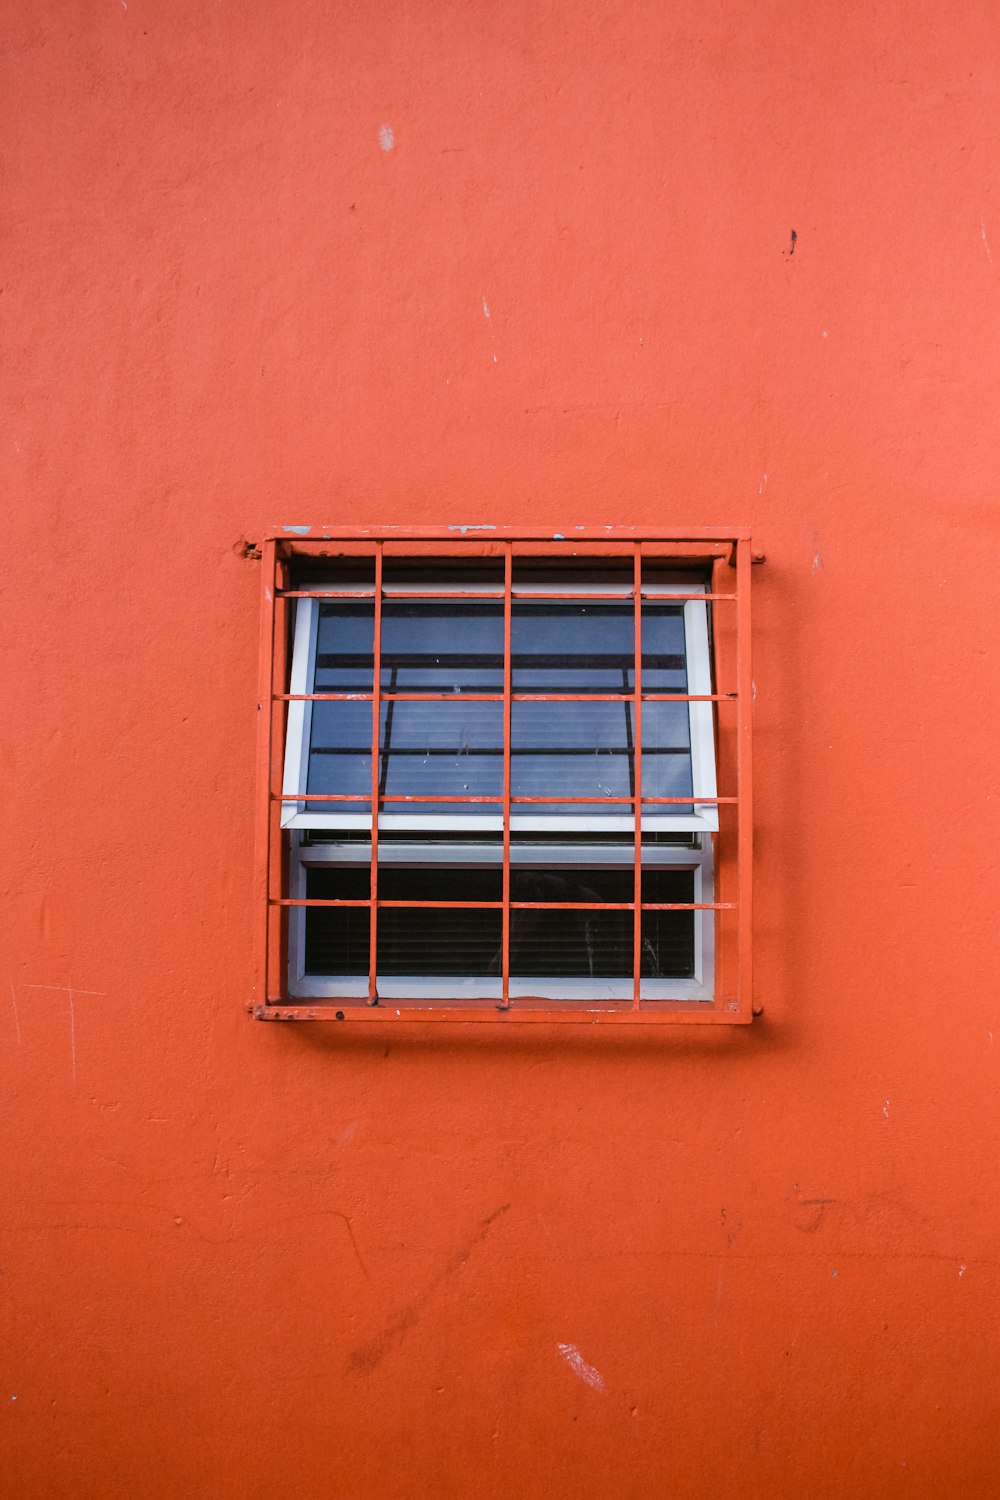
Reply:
x=265, y=711
x=278, y=870
x=376, y=778
x=637, y=896
x=508, y=566
x=744, y=782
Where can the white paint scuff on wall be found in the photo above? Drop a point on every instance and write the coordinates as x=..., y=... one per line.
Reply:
x=587, y=1373
x=386, y=138
x=17, y=1021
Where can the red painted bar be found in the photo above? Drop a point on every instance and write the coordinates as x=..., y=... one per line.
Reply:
x=376, y=766
x=545, y=801
x=262, y=842
x=522, y=1010
x=498, y=698
x=477, y=536
x=516, y=905
x=507, y=680
x=744, y=782
x=637, y=786
x=521, y=595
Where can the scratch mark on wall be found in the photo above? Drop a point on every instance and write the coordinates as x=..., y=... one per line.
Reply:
x=364, y=1360
x=587, y=1373
x=386, y=138
x=986, y=243
x=354, y=1244
x=17, y=1023
x=486, y=308
x=962, y=1270
x=70, y=991
x=885, y=1108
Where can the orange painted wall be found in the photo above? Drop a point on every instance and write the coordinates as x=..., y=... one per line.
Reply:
x=243, y=1260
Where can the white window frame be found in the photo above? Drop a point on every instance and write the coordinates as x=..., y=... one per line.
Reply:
x=619, y=851
x=700, y=987
x=703, y=819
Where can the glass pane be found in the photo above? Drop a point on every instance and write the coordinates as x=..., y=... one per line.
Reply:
x=442, y=648
x=412, y=941
x=344, y=647
x=457, y=941
x=668, y=936
x=666, y=754
x=663, y=649
x=572, y=648
x=450, y=940
x=572, y=749
x=453, y=749
x=590, y=943
x=598, y=944
x=340, y=753
x=337, y=937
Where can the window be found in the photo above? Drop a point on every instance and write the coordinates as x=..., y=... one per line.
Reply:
x=507, y=706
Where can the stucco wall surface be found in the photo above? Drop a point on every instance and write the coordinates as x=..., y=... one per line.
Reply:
x=435, y=262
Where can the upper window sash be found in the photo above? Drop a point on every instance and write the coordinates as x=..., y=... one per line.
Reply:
x=697, y=816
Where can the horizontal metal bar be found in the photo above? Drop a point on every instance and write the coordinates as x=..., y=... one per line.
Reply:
x=460, y=697
x=398, y=753
x=522, y=595
x=516, y=905
x=481, y=531
x=522, y=1010
x=496, y=797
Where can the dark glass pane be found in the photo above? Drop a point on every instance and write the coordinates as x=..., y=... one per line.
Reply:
x=663, y=649
x=465, y=942
x=344, y=647
x=599, y=944
x=412, y=941
x=572, y=648
x=452, y=749
x=573, y=749
x=667, y=936
x=666, y=755
x=587, y=750
x=567, y=943
x=428, y=940
x=337, y=937
x=340, y=740
x=441, y=648
x=340, y=754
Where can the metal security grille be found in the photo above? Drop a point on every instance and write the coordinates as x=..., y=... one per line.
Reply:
x=290, y=563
